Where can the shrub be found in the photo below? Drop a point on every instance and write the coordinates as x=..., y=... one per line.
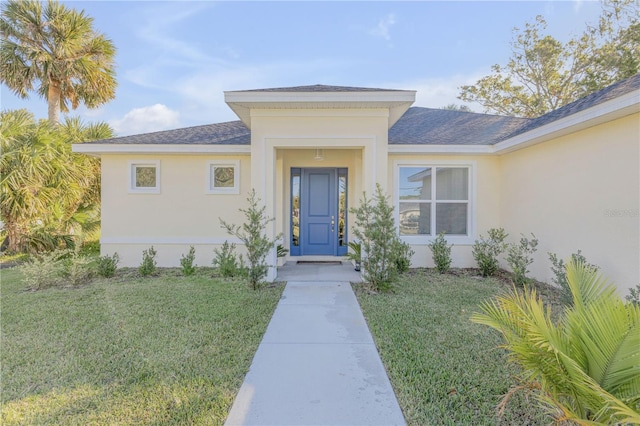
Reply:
x=559, y=270
x=486, y=251
x=107, y=265
x=76, y=268
x=402, y=252
x=251, y=233
x=441, y=253
x=148, y=265
x=44, y=270
x=281, y=251
x=380, y=245
x=226, y=260
x=186, y=262
x=519, y=258
x=584, y=366
x=634, y=295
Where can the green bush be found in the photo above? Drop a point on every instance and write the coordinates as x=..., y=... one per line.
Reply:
x=486, y=251
x=441, y=253
x=559, y=270
x=44, y=270
x=107, y=265
x=519, y=258
x=148, y=265
x=77, y=268
x=251, y=233
x=382, y=250
x=186, y=262
x=634, y=295
x=402, y=253
x=227, y=261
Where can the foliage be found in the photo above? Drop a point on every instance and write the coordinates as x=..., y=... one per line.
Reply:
x=559, y=270
x=226, y=260
x=585, y=368
x=44, y=270
x=55, y=51
x=441, y=253
x=251, y=233
x=402, y=253
x=355, y=253
x=543, y=74
x=486, y=251
x=455, y=107
x=634, y=295
x=380, y=245
x=77, y=268
x=186, y=262
x=519, y=257
x=281, y=251
x=107, y=265
x=47, y=192
x=148, y=265
x=161, y=350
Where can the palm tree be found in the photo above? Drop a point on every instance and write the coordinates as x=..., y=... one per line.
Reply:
x=585, y=367
x=46, y=191
x=55, y=51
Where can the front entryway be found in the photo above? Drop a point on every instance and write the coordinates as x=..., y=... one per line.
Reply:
x=318, y=212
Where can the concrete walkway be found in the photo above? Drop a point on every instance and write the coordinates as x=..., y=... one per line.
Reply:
x=317, y=363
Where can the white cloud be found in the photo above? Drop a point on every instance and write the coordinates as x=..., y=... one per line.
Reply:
x=383, y=29
x=146, y=119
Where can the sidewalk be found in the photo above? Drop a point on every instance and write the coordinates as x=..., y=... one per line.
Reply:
x=316, y=365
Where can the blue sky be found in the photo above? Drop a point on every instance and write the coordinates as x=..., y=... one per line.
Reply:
x=175, y=59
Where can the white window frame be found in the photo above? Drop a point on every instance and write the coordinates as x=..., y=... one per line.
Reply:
x=468, y=239
x=235, y=189
x=133, y=164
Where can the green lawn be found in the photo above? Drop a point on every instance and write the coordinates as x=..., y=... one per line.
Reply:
x=163, y=350
x=443, y=368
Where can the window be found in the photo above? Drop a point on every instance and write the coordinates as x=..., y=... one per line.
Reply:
x=223, y=177
x=144, y=176
x=433, y=199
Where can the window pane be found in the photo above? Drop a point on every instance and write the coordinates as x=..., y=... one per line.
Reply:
x=145, y=176
x=415, y=218
x=342, y=210
x=223, y=177
x=452, y=183
x=295, y=210
x=451, y=218
x=415, y=183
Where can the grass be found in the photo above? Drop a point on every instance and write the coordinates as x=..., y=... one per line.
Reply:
x=128, y=350
x=444, y=369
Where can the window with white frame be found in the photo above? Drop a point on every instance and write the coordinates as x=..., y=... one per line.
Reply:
x=433, y=199
x=144, y=176
x=223, y=177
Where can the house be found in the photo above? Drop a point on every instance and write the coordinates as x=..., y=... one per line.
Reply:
x=571, y=177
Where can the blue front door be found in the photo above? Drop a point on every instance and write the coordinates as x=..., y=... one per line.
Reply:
x=319, y=212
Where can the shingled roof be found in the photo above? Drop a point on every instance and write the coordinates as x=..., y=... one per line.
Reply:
x=420, y=126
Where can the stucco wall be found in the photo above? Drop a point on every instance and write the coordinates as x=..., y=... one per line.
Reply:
x=182, y=214
x=484, y=198
x=579, y=192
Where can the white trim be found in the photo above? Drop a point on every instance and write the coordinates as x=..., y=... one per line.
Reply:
x=421, y=240
x=132, y=165
x=440, y=149
x=113, y=148
x=169, y=240
x=235, y=189
x=321, y=112
x=615, y=108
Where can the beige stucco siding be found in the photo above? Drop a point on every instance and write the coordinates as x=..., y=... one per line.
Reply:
x=579, y=192
x=180, y=215
x=484, y=201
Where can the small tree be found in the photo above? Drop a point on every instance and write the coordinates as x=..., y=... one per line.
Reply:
x=441, y=253
x=226, y=260
x=186, y=262
x=148, y=265
x=251, y=233
x=380, y=244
